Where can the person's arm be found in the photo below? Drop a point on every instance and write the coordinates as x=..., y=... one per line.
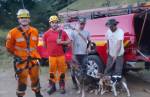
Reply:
x=44, y=40
x=107, y=50
x=88, y=36
x=65, y=39
x=10, y=42
x=72, y=41
x=107, y=44
x=37, y=36
x=88, y=43
x=65, y=42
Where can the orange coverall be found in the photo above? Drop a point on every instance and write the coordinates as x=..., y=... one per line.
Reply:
x=57, y=61
x=16, y=43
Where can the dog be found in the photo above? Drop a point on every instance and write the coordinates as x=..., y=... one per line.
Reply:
x=106, y=84
x=85, y=83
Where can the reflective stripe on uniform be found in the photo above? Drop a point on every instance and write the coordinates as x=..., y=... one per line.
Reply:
x=25, y=49
x=20, y=39
x=20, y=92
x=36, y=88
x=34, y=38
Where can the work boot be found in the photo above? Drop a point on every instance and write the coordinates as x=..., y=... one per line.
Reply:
x=38, y=94
x=62, y=87
x=52, y=87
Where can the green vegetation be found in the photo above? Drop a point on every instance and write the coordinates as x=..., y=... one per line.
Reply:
x=2, y=37
x=6, y=60
x=40, y=11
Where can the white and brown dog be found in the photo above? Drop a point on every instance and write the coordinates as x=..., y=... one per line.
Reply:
x=110, y=83
x=84, y=82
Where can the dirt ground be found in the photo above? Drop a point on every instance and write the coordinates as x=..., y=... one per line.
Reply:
x=138, y=87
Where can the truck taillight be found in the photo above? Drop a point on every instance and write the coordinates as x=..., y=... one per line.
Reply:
x=131, y=49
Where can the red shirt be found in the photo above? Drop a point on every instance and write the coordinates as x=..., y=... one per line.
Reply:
x=50, y=37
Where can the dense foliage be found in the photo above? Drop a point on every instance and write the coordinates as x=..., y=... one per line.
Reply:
x=40, y=11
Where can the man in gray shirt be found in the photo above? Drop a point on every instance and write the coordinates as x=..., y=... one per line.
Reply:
x=80, y=39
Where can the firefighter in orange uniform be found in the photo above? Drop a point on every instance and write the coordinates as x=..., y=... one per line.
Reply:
x=22, y=43
x=53, y=41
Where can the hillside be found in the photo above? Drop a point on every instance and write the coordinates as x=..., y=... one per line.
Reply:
x=89, y=4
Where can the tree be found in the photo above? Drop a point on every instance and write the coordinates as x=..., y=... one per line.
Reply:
x=40, y=11
x=8, y=9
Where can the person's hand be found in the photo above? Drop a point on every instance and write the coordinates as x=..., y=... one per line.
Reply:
x=114, y=58
x=59, y=29
x=59, y=41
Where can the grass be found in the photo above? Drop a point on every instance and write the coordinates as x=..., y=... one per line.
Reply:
x=89, y=4
x=5, y=59
x=3, y=34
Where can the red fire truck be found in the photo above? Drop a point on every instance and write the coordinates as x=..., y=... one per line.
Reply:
x=135, y=23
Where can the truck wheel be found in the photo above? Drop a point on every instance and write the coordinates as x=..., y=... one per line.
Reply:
x=94, y=65
x=147, y=65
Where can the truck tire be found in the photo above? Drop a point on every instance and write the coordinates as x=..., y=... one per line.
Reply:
x=147, y=65
x=94, y=65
